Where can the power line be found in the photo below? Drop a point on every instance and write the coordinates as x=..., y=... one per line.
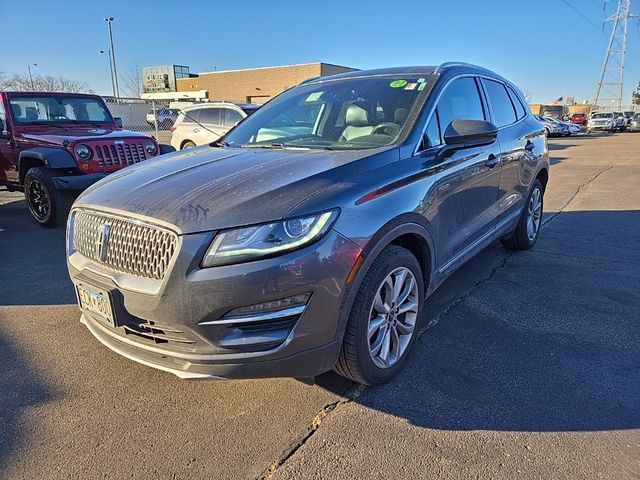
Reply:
x=582, y=15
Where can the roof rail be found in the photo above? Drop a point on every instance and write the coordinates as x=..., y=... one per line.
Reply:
x=442, y=66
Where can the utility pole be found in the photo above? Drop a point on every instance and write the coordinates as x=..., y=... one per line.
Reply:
x=113, y=83
x=112, y=56
x=610, y=86
x=30, y=76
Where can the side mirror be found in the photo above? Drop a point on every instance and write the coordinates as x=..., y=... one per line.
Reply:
x=118, y=121
x=470, y=133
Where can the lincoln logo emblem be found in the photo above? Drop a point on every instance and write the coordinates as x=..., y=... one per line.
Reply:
x=103, y=242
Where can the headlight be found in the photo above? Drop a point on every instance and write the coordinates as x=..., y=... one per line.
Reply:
x=83, y=151
x=250, y=243
x=151, y=148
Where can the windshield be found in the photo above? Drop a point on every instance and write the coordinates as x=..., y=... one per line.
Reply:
x=30, y=110
x=602, y=115
x=353, y=113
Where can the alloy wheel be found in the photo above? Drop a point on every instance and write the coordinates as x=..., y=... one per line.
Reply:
x=534, y=214
x=392, y=317
x=39, y=199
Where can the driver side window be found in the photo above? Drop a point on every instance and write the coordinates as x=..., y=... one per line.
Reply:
x=460, y=100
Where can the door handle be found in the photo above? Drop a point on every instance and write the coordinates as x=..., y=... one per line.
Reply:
x=529, y=146
x=492, y=161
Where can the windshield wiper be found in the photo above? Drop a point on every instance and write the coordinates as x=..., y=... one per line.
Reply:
x=220, y=143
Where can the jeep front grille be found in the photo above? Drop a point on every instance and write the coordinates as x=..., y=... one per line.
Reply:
x=121, y=155
x=124, y=245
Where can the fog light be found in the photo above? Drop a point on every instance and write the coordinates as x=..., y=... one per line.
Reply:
x=294, y=301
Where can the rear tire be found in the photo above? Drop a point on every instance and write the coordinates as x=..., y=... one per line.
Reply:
x=48, y=206
x=380, y=333
x=528, y=229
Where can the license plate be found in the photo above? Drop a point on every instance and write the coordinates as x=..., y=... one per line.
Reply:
x=96, y=302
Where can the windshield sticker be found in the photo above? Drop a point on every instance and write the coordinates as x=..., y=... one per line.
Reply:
x=398, y=83
x=314, y=96
x=411, y=86
x=421, y=83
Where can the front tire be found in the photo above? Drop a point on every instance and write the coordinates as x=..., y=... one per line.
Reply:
x=48, y=206
x=187, y=144
x=384, y=320
x=527, y=231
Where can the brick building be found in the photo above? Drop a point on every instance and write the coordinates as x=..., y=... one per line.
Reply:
x=255, y=84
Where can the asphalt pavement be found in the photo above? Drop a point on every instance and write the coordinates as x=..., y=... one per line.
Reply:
x=530, y=366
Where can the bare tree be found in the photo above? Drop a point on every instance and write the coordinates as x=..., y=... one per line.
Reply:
x=528, y=96
x=43, y=83
x=132, y=83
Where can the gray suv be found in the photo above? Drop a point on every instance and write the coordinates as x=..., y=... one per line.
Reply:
x=309, y=236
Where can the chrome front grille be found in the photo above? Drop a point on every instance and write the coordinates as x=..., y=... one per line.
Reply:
x=124, y=245
x=121, y=155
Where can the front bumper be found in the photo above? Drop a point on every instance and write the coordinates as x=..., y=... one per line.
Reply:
x=77, y=183
x=182, y=325
x=605, y=126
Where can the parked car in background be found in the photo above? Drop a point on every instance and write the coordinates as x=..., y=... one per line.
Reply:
x=579, y=119
x=165, y=117
x=634, y=124
x=601, y=121
x=292, y=255
x=620, y=121
x=205, y=123
x=553, y=127
x=54, y=145
x=628, y=115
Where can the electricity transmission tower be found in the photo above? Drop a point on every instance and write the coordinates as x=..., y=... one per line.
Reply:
x=611, y=84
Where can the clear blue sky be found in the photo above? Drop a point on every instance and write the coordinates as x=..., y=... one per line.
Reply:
x=537, y=44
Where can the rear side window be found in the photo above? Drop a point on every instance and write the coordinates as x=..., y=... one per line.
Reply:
x=191, y=116
x=460, y=100
x=520, y=110
x=211, y=116
x=231, y=117
x=503, y=111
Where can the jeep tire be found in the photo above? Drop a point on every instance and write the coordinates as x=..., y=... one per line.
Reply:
x=48, y=206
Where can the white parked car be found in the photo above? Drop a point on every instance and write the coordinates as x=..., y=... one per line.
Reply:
x=207, y=122
x=601, y=121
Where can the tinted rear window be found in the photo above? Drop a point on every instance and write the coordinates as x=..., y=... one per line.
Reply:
x=503, y=111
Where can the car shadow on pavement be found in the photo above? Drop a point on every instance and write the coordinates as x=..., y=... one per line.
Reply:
x=20, y=390
x=542, y=340
x=560, y=146
x=33, y=260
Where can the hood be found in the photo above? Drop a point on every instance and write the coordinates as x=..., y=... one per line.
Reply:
x=206, y=188
x=56, y=136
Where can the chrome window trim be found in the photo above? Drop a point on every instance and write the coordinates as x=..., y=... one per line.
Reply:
x=483, y=97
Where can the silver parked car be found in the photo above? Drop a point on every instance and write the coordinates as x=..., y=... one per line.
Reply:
x=634, y=123
x=291, y=255
x=553, y=127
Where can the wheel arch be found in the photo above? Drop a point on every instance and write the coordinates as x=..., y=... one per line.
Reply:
x=543, y=176
x=44, y=157
x=408, y=231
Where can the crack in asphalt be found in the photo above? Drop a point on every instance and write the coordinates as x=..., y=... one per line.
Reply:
x=359, y=389
x=575, y=194
x=311, y=429
x=434, y=321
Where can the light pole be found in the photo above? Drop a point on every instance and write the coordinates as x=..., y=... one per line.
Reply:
x=113, y=85
x=30, y=76
x=109, y=21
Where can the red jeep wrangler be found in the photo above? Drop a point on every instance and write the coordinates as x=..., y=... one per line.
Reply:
x=54, y=145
